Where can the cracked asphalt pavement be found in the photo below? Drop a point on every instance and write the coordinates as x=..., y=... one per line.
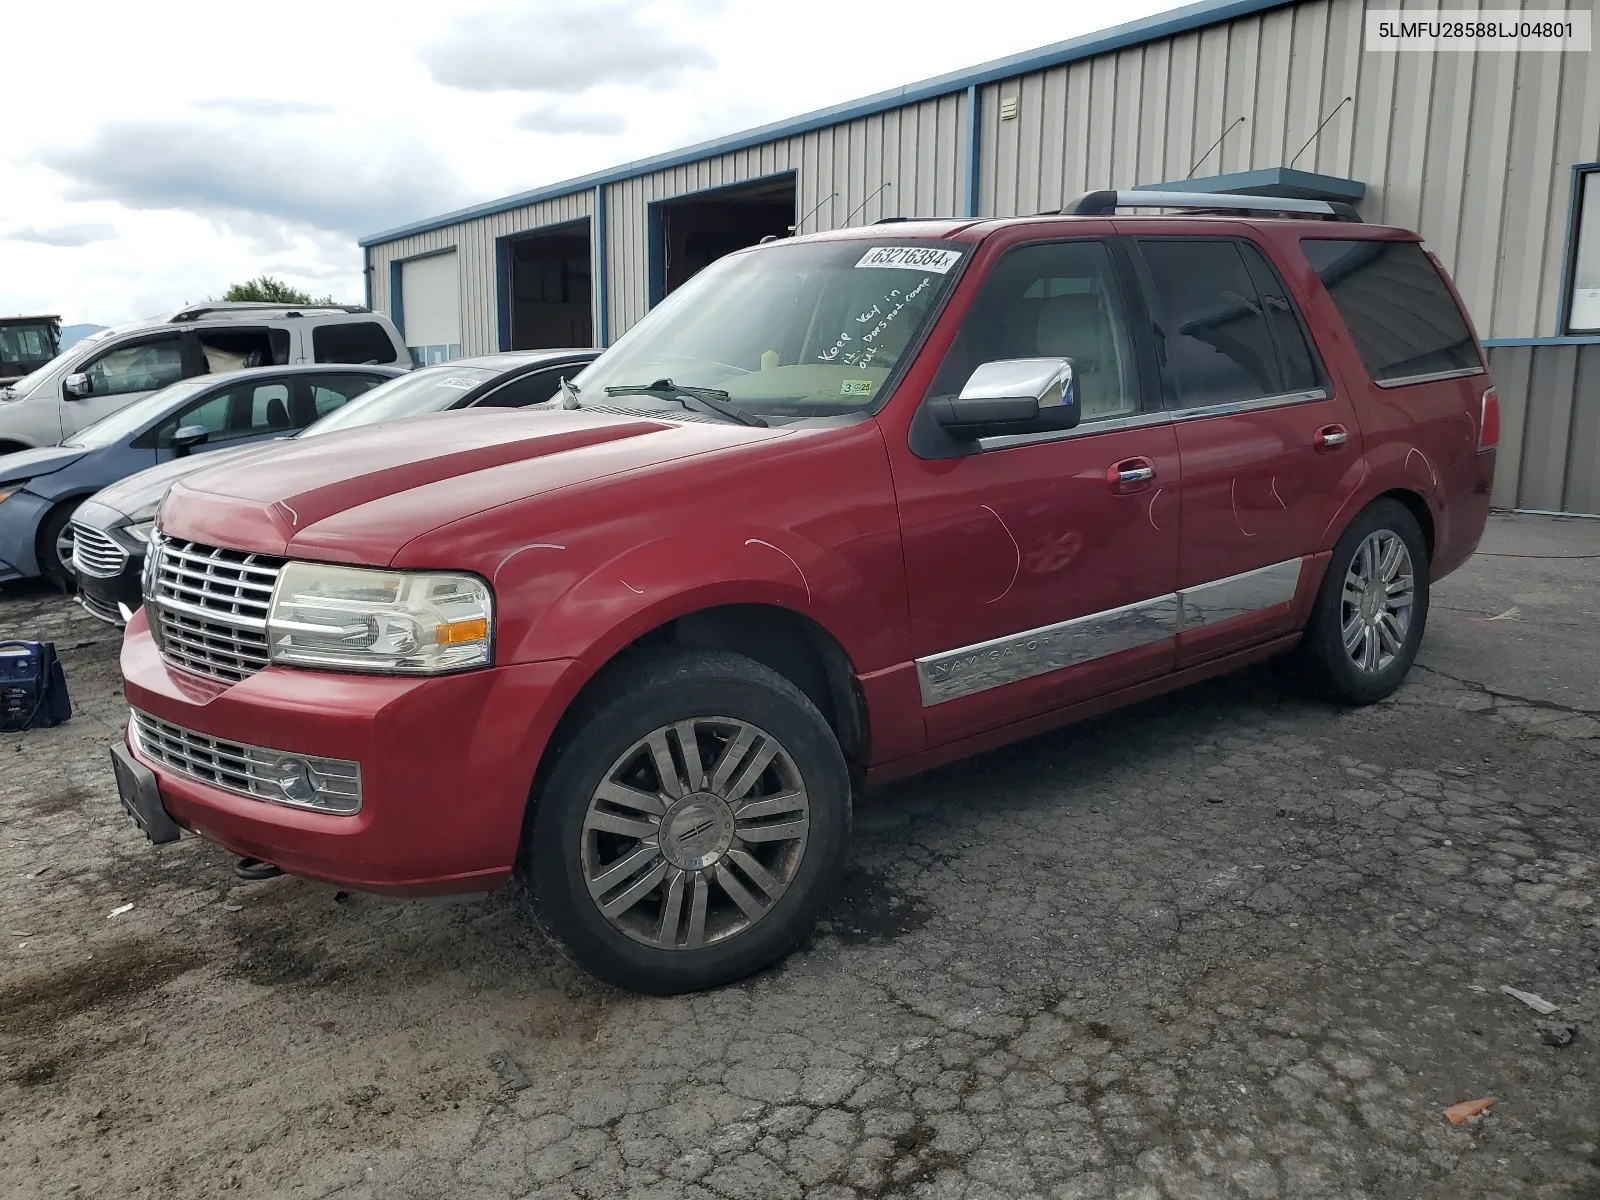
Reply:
x=1233, y=942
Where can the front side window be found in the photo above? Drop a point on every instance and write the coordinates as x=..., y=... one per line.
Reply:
x=141, y=367
x=1583, y=313
x=244, y=410
x=787, y=331
x=1214, y=330
x=1400, y=314
x=1051, y=300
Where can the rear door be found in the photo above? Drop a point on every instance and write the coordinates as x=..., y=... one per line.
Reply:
x=1268, y=442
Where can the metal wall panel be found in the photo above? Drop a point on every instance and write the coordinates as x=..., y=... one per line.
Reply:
x=1549, y=458
x=475, y=256
x=1472, y=150
x=920, y=151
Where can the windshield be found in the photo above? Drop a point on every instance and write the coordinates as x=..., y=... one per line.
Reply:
x=425, y=390
x=809, y=329
x=126, y=422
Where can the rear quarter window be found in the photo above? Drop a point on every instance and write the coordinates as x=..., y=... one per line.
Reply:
x=352, y=342
x=1399, y=311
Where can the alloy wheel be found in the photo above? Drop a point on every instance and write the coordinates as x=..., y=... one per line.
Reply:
x=695, y=833
x=1379, y=591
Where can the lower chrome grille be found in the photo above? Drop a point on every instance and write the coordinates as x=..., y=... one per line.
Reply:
x=106, y=610
x=253, y=771
x=208, y=607
x=95, y=553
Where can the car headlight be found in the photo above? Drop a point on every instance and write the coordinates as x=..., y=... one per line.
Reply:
x=400, y=622
x=11, y=490
x=140, y=530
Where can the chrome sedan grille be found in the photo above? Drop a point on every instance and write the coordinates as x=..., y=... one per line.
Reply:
x=96, y=554
x=253, y=771
x=208, y=607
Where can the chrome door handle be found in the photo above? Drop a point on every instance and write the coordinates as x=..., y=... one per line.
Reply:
x=1136, y=475
x=1330, y=437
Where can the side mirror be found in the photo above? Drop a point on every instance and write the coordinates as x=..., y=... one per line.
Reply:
x=75, y=385
x=1011, y=396
x=188, y=437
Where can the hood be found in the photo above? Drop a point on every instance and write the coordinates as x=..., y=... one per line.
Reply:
x=360, y=495
x=30, y=464
x=140, y=494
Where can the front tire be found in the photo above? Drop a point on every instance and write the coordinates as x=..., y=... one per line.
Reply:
x=1372, y=608
x=692, y=827
x=53, y=548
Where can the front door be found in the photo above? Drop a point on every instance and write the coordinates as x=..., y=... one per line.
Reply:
x=121, y=374
x=1268, y=441
x=1041, y=569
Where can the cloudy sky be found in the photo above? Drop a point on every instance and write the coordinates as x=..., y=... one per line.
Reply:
x=161, y=152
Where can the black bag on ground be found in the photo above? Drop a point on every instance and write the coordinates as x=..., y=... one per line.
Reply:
x=33, y=687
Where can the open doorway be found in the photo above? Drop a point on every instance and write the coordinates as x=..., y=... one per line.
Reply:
x=691, y=232
x=551, y=287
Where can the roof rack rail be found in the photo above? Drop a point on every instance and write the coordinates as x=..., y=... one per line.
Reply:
x=1105, y=203
x=195, y=311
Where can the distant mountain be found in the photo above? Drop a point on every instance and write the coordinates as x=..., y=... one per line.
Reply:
x=76, y=333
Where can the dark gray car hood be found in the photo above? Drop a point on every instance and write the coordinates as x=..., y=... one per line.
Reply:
x=140, y=494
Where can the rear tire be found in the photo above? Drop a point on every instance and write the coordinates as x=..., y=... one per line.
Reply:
x=1371, y=610
x=51, y=545
x=693, y=825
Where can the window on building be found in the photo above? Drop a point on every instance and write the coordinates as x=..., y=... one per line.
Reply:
x=352, y=342
x=1051, y=300
x=1399, y=311
x=1219, y=344
x=1583, y=310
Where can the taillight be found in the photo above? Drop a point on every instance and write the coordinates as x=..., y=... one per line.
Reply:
x=1489, y=421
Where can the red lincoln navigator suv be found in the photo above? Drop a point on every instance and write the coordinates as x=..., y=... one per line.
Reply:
x=844, y=507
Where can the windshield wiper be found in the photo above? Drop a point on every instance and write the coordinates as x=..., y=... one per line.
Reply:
x=712, y=398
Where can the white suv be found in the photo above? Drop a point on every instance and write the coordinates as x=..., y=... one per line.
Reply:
x=111, y=369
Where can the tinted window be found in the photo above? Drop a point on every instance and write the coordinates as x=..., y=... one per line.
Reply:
x=1051, y=300
x=329, y=392
x=1300, y=371
x=245, y=410
x=1400, y=314
x=533, y=388
x=1218, y=345
x=142, y=367
x=352, y=342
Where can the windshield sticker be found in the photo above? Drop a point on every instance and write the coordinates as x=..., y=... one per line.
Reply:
x=856, y=387
x=460, y=382
x=911, y=258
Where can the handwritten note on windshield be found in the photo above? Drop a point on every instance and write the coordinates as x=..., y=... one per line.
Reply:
x=879, y=316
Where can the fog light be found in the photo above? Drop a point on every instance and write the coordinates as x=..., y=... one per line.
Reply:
x=305, y=781
x=294, y=777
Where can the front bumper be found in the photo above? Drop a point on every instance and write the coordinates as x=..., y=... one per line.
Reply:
x=20, y=516
x=101, y=594
x=447, y=764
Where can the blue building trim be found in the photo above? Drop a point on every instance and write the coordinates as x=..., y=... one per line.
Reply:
x=1181, y=20
x=1569, y=252
x=602, y=290
x=366, y=278
x=1270, y=181
x=974, y=149
x=1575, y=339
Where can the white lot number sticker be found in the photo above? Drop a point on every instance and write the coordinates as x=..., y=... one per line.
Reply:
x=461, y=383
x=911, y=258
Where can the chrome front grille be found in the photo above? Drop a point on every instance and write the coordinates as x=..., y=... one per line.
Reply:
x=94, y=553
x=253, y=771
x=208, y=607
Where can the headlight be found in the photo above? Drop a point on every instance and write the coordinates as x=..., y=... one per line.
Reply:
x=11, y=490
x=140, y=532
x=401, y=622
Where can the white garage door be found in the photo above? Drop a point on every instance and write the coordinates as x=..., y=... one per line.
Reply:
x=430, y=307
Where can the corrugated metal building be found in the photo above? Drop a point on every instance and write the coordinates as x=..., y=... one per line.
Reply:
x=1494, y=157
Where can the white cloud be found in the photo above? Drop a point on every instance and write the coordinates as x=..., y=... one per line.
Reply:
x=83, y=233
x=213, y=148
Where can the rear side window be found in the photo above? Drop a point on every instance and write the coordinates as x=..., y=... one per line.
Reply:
x=1400, y=314
x=352, y=342
x=1218, y=343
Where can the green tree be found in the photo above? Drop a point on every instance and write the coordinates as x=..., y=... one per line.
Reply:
x=272, y=291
